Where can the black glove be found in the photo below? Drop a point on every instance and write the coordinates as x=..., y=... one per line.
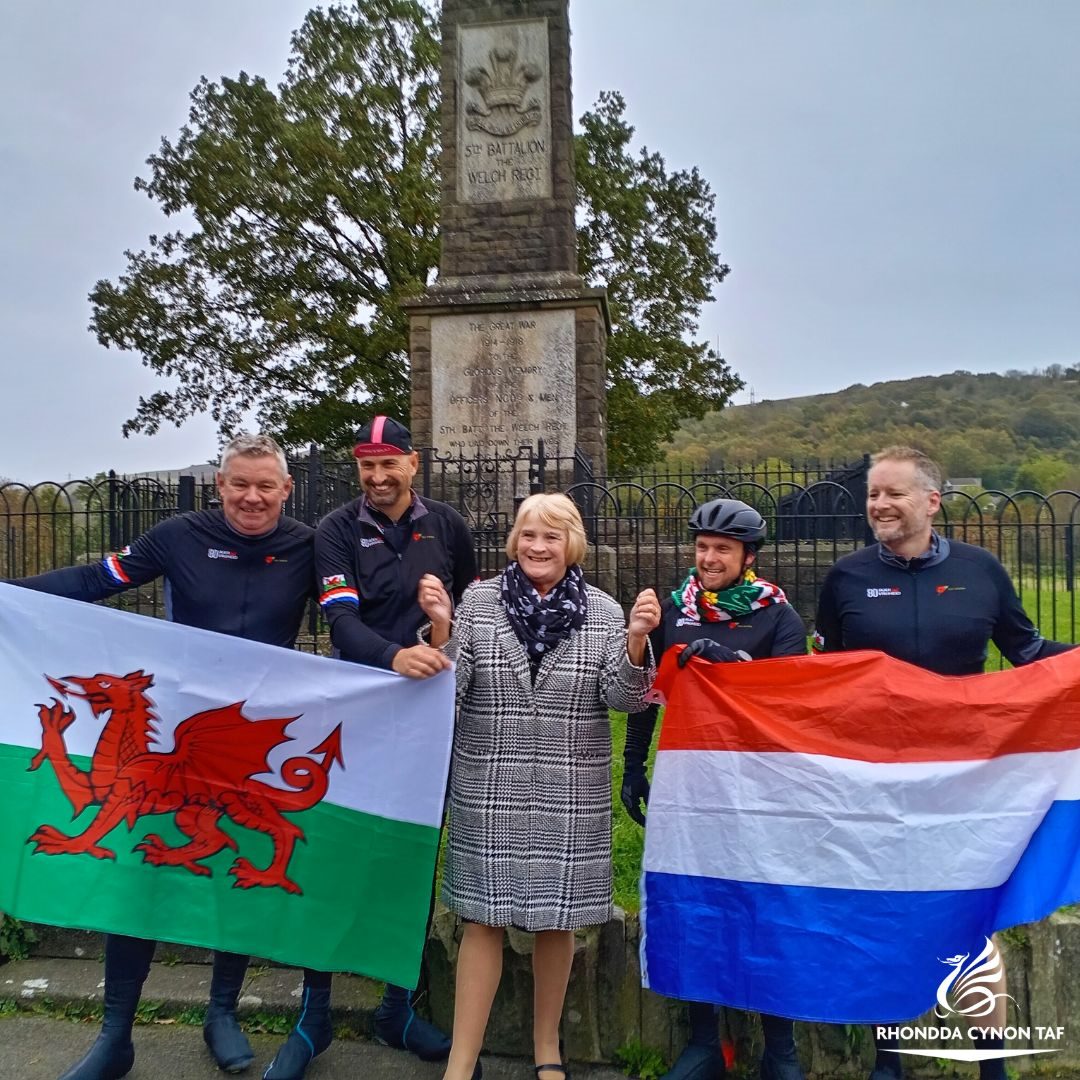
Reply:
x=635, y=792
x=635, y=785
x=710, y=650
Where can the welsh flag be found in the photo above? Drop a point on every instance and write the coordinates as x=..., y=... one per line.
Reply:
x=175, y=784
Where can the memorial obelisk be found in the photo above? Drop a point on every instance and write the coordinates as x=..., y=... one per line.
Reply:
x=507, y=346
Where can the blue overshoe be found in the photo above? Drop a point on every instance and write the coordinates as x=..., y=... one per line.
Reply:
x=221, y=1030
x=697, y=1063
x=781, y=1066
x=397, y=1025
x=311, y=1036
x=109, y=1058
x=227, y=1042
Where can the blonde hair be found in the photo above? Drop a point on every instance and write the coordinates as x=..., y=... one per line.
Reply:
x=927, y=471
x=556, y=512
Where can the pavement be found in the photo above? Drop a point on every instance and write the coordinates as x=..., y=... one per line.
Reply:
x=40, y=1048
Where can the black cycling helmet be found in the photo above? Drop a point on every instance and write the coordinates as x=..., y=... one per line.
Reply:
x=729, y=517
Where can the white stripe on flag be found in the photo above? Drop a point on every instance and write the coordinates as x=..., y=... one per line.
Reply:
x=802, y=819
x=391, y=726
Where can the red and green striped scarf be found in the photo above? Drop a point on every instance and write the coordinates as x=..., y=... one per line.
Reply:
x=702, y=606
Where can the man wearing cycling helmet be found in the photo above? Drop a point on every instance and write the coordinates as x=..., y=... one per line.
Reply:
x=722, y=612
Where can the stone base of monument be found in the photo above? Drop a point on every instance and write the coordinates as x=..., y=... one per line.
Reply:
x=496, y=367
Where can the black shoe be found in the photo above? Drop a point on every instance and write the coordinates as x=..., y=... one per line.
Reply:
x=398, y=1026
x=882, y=1072
x=311, y=1036
x=108, y=1059
x=697, y=1063
x=775, y=1066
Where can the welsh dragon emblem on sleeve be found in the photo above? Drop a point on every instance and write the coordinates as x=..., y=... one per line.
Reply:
x=209, y=774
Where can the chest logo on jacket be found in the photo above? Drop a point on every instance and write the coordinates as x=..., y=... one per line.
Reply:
x=371, y=541
x=887, y=590
x=220, y=553
x=941, y=589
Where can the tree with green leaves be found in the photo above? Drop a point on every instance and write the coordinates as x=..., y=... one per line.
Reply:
x=308, y=212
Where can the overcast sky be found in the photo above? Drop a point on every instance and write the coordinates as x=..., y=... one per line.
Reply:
x=897, y=181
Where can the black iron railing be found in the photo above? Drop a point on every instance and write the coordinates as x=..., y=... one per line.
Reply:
x=636, y=524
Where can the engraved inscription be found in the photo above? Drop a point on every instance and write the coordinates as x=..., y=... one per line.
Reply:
x=504, y=121
x=503, y=379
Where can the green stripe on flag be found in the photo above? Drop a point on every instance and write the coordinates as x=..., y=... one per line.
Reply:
x=366, y=882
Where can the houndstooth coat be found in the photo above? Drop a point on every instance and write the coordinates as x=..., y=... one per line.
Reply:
x=530, y=783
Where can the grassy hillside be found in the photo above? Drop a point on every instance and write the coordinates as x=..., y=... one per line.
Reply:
x=1014, y=431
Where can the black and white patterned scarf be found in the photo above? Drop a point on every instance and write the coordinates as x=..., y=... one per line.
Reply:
x=542, y=622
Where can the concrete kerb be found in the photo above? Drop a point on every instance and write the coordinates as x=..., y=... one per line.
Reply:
x=606, y=1007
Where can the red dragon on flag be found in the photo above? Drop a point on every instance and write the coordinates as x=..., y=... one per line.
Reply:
x=209, y=774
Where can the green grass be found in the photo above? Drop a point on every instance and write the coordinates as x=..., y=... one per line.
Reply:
x=627, y=837
x=641, y=1061
x=1055, y=611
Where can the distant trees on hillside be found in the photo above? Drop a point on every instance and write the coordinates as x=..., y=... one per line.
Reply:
x=1018, y=430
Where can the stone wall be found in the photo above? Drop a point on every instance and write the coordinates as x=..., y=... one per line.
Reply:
x=591, y=326
x=606, y=1007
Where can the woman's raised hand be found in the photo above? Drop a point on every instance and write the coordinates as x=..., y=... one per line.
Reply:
x=434, y=600
x=645, y=614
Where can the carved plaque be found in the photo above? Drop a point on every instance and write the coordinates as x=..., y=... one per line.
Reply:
x=504, y=112
x=503, y=379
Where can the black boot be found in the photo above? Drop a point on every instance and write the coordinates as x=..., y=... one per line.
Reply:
x=313, y=1032
x=397, y=1025
x=887, y=1064
x=221, y=1029
x=127, y=963
x=702, y=1058
x=994, y=1069
x=780, y=1060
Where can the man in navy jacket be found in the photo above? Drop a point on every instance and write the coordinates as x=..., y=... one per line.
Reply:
x=931, y=601
x=244, y=570
x=370, y=557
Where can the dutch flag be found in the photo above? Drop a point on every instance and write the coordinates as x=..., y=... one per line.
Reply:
x=824, y=832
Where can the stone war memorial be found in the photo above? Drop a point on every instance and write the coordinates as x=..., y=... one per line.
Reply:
x=507, y=346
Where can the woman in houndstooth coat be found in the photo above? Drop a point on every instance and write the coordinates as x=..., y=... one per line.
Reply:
x=540, y=657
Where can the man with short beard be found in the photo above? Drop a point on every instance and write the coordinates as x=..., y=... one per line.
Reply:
x=370, y=557
x=925, y=599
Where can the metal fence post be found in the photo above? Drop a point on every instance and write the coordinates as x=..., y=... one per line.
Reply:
x=185, y=493
x=1070, y=557
x=858, y=487
x=585, y=496
x=314, y=485
x=537, y=469
x=114, y=517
